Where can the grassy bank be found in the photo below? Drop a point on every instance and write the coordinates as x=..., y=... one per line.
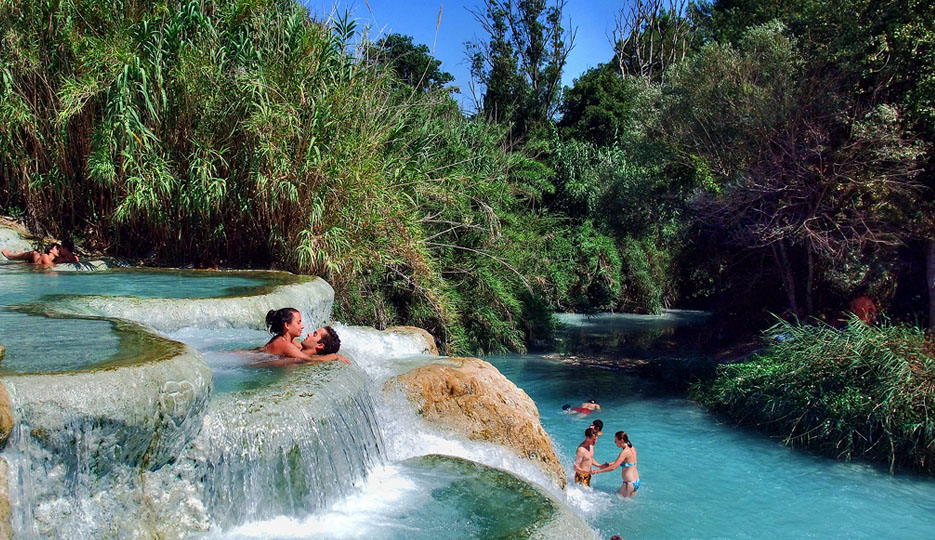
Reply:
x=858, y=392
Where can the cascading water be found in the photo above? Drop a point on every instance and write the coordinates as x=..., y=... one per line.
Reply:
x=179, y=439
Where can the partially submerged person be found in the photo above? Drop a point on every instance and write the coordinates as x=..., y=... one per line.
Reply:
x=584, y=457
x=590, y=405
x=598, y=426
x=585, y=408
x=627, y=460
x=865, y=309
x=45, y=259
x=66, y=252
x=286, y=326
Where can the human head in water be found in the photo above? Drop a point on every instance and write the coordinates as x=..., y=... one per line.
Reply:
x=565, y=407
x=598, y=426
x=285, y=321
x=324, y=341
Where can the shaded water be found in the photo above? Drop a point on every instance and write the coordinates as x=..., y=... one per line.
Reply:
x=426, y=498
x=703, y=478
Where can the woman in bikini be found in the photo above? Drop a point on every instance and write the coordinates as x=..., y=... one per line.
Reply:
x=286, y=326
x=627, y=460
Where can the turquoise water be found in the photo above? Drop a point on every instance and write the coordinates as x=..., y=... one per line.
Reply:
x=35, y=343
x=423, y=498
x=705, y=478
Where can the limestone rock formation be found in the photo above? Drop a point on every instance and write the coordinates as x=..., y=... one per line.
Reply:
x=471, y=397
x=6, y=525
x=430, y=346
x=6, y=415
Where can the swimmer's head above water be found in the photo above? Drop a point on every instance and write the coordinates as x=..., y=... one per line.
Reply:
x=282, y=321
x=324, y=341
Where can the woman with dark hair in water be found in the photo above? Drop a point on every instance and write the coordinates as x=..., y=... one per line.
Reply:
x=286, y=326
x=627, y=460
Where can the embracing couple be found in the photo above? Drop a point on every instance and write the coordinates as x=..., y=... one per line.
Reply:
x=286, y=326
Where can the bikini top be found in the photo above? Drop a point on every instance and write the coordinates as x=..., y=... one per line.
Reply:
x=625, y=464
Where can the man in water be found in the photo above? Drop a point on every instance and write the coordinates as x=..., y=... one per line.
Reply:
x=66, y=252
x=322, y=341
x=584, y=457
x=598, y=426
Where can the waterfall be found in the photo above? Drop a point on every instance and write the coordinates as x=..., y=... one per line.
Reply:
x=288, y=449
x=143, y=445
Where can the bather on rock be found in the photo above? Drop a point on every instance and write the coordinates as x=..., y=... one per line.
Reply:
x=286, y=325
x=66, y=252
x=46, y=259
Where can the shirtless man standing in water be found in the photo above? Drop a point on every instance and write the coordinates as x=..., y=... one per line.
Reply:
x=584, y=457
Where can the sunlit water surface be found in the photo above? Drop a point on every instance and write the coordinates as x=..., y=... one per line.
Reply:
x=35, y=343
x=700, y=478
x=704, y=478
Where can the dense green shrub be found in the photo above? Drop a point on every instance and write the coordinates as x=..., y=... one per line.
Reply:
x=858, y=392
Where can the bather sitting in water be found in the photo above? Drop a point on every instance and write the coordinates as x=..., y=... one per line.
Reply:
x=46, y=259
x=627, y=460
x=286, y=325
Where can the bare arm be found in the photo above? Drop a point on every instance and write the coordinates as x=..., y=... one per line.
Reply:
x=288, y=349
x=330, y=358
x=611, y=466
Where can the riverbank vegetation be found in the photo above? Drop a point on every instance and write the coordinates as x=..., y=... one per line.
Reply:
x=856, y=392
x=736, y=156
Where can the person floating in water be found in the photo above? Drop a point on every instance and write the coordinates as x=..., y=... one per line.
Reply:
x=45, y=259
x=584, y=457
x=286, y=326
x=586, y=408
x=627, y=460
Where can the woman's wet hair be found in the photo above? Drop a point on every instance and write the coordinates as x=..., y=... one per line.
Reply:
x=330, y=342
x=622, y=435
x=277, y=319
x=49, y=249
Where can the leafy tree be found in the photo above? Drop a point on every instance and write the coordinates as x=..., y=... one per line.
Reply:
x=520, y=66
x=802, y=169
x=884, y=52
x=598, y=106
x=413, y=64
